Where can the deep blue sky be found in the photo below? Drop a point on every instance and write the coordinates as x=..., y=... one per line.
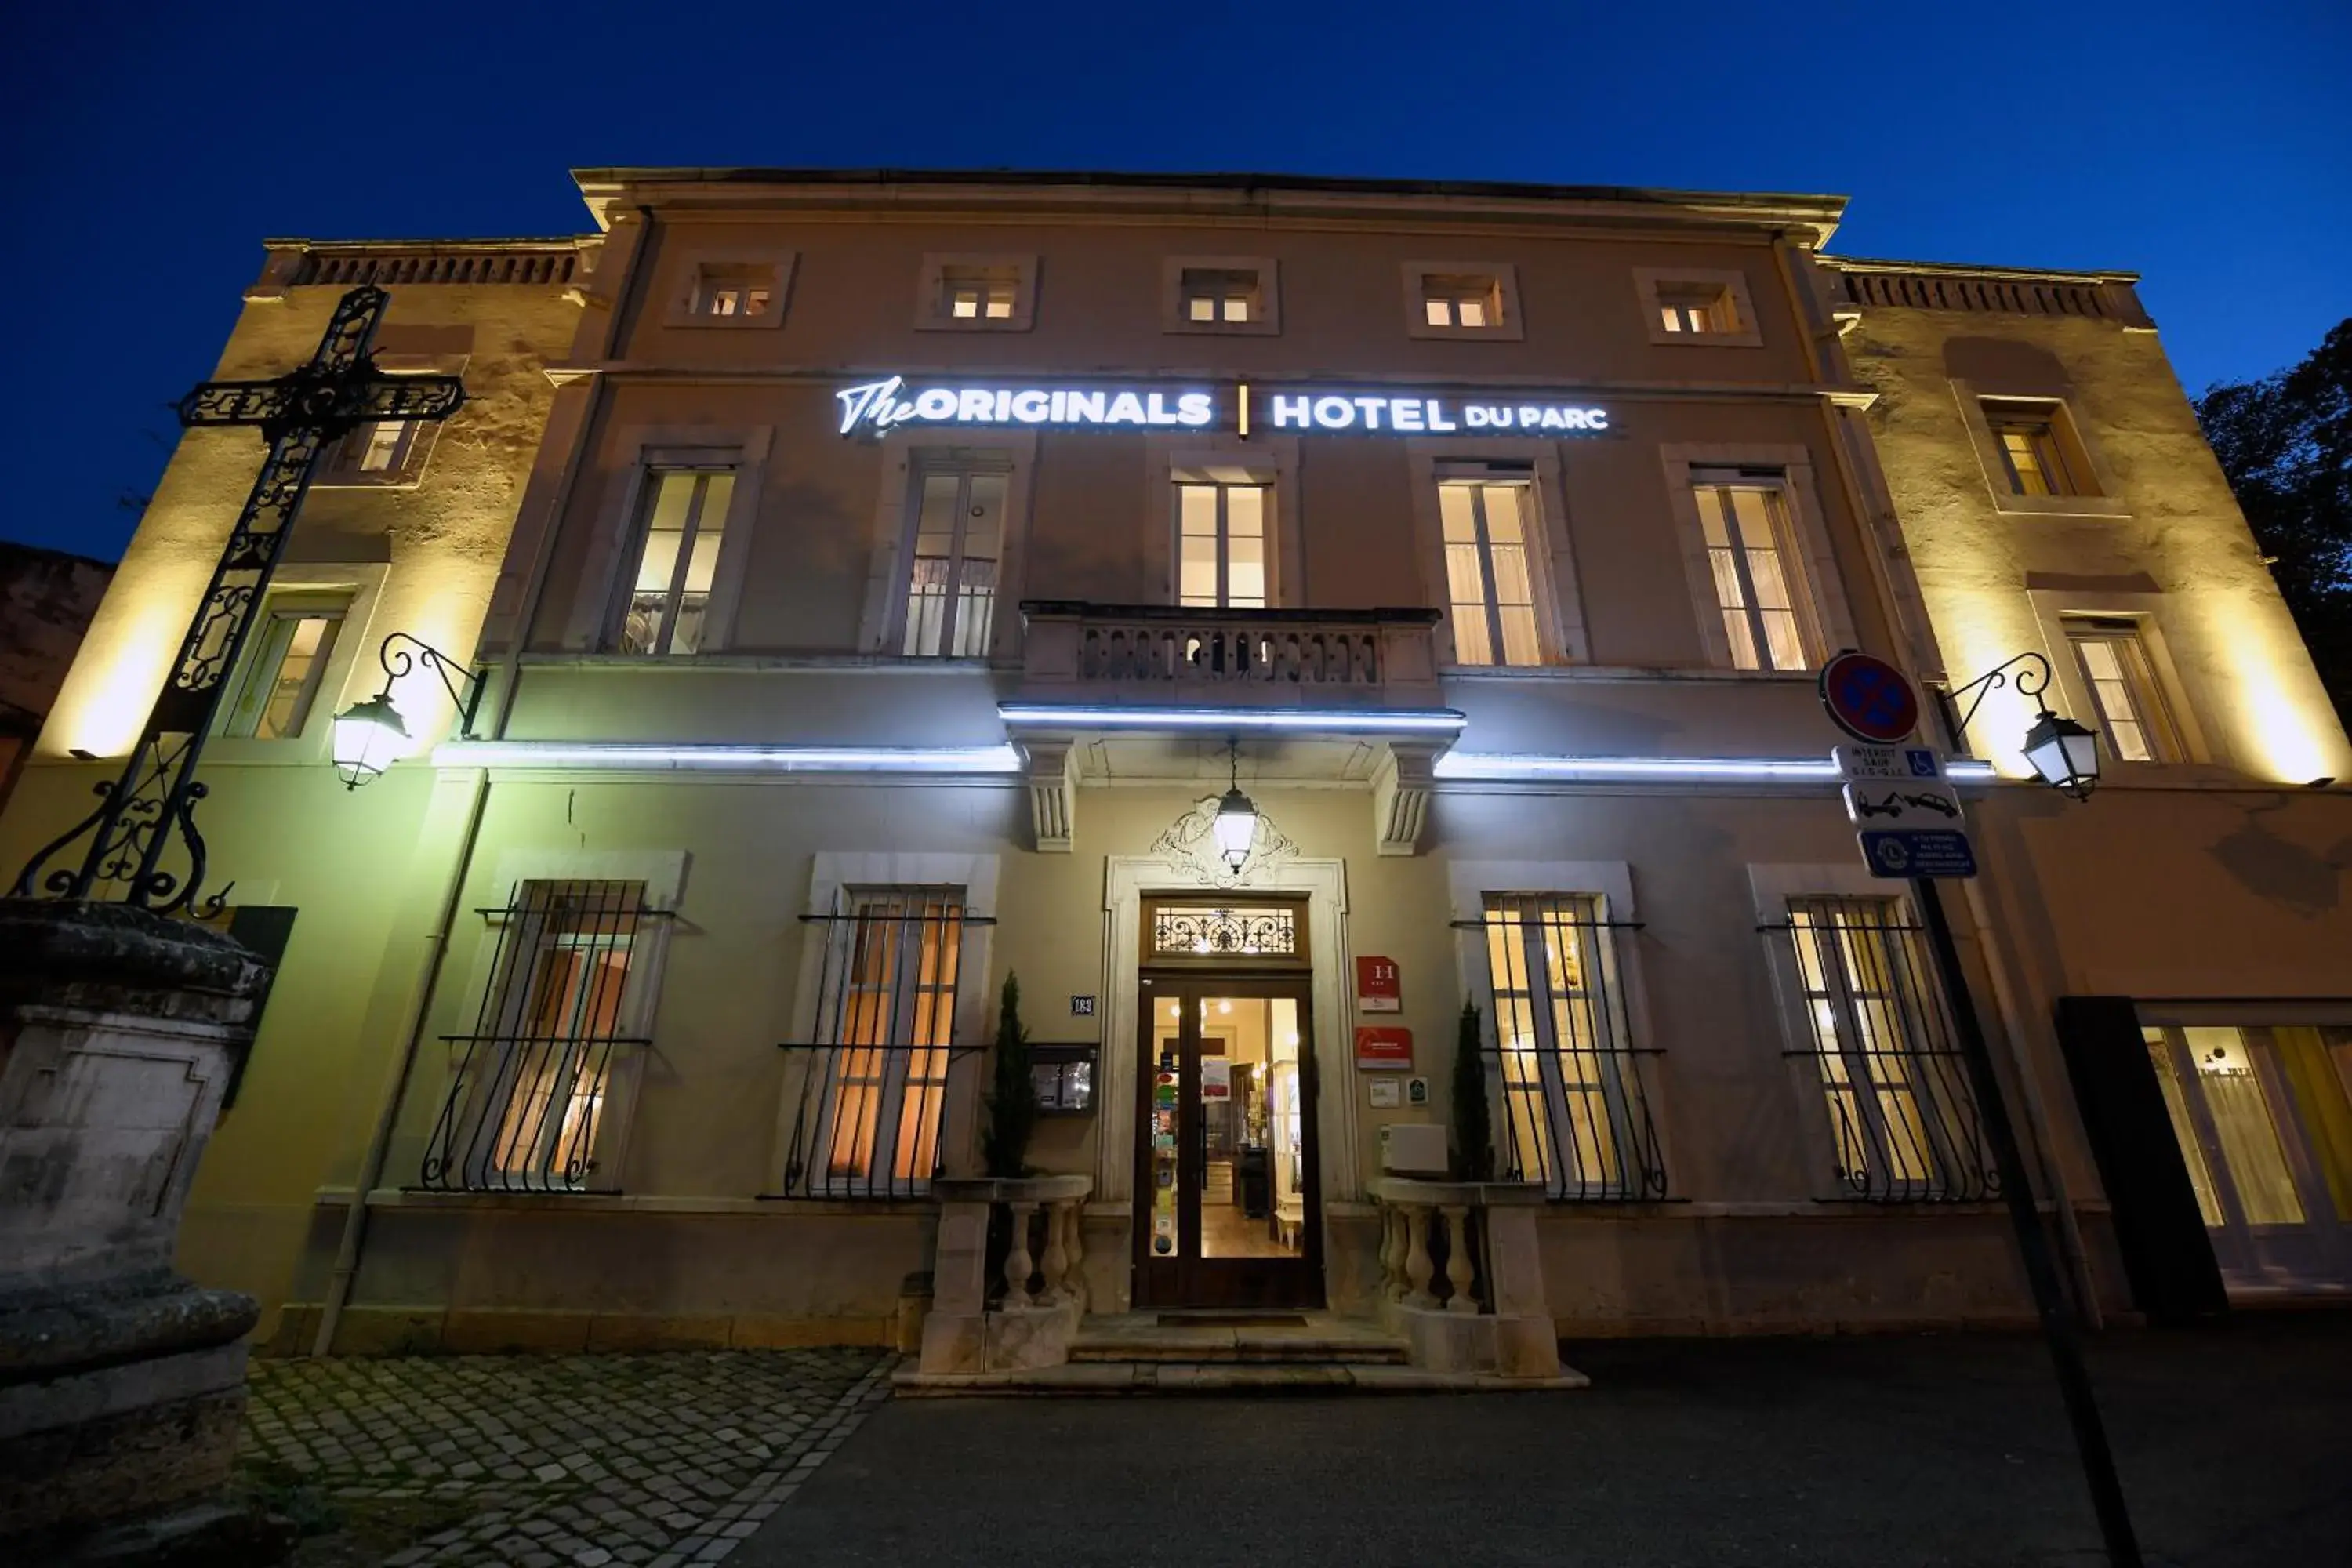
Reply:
x=151, y=147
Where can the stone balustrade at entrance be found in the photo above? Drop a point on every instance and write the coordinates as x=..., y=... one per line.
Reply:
x=1025, y=1317
x=1462, y=1281
x=1375, y=657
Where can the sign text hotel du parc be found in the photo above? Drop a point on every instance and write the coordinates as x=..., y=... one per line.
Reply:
x=879, y=406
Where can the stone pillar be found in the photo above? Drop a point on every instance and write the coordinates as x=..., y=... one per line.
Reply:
x=121, y=1383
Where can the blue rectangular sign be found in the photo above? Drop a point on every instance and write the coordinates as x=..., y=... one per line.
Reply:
x=1917, y=852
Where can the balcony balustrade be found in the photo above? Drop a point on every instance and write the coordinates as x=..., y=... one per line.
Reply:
x=1370, y=658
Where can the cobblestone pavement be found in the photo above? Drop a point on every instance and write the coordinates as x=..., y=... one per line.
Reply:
x=659, y=1459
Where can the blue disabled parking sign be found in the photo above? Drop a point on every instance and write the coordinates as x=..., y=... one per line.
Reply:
x=1917, y=852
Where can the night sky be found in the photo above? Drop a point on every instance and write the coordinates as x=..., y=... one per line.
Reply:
x=152, y=147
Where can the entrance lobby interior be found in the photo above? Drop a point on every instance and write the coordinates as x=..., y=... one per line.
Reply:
x=1227, y=1162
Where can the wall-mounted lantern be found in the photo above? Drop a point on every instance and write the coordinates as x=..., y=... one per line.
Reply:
x=370, y=734
x=2064, y=755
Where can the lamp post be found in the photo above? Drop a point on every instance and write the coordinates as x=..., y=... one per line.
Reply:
x=368, y=735
x=1236, y=824
x=2065, y=756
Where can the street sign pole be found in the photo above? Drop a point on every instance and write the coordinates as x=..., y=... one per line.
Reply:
x=2033, y=1242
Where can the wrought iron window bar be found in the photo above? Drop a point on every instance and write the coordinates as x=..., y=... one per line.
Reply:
x=526, y=1108
x=1567, y=1161
x=889, y=1089
x=1903, y=1117
x=1193, y=932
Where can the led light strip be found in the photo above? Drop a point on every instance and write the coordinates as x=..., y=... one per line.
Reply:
x=1344, y=722
x=998, y=759
x=1506, y=766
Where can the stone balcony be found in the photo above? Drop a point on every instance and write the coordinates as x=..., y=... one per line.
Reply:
x=1178, y=655
x=1158, y=691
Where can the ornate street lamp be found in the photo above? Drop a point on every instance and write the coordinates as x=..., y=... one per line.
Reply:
x=2063, y=754
x=369, y=735
x=1236, y=824
x=2066, y=754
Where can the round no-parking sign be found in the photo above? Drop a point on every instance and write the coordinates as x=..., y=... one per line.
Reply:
x=1869, y=698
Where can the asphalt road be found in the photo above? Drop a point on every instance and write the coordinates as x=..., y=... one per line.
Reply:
x=2235, y=1447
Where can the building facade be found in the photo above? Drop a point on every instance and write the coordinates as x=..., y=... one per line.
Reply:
x=879, y=583
x=46, y=597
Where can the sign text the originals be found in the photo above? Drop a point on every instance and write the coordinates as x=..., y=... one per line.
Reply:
x=1420, y=416
x=880, y=407
x=881, y=404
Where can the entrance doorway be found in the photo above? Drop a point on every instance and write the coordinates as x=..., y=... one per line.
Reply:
x=2264, y=1125
x=1225, y=1162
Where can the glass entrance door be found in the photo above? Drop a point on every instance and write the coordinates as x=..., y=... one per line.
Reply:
x=1226, y=1176
x=2257, y=1137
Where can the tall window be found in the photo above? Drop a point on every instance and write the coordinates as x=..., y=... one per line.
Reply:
x=1575, y=1119
x=2037, y=449
x=1489, y=587
x=1748, y=540
x=952, y=572
x=1221, y=546
x=978, y=293
x=1456, y=299
x=887, y=1019
x=1900, y=1111
x=534, y=1077
x=2114, y=661
x=686, y=517
x=1219, y=296
x=285, y=665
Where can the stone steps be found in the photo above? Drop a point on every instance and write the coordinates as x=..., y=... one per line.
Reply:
x=1301, y=1351
x=1141, y=1377
x=1307, y=1339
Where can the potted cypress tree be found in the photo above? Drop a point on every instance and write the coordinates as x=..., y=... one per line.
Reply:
x=1474, y=1135
x=1012, y=1096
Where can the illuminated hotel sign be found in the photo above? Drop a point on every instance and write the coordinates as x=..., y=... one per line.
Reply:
x=881, y=406
x=1425, y=416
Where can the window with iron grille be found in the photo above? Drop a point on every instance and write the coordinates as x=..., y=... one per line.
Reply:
x=526, y=1107
x=874, y=1093
x=1575, y=1120
x=1902, y=1117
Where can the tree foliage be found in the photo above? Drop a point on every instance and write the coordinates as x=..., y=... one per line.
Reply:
x=1012, y=1096
x=2285, y=444
x=1474, y=1137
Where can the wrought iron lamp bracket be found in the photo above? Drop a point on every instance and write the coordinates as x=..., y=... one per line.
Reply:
x=464, y=685
x=2033, y=681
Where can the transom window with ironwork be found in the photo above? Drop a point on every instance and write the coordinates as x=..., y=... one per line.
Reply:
x=874, y=1094
x=1903, y=1121
x=1576, y=1119
x=1225, y=930
x=526, y=1109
